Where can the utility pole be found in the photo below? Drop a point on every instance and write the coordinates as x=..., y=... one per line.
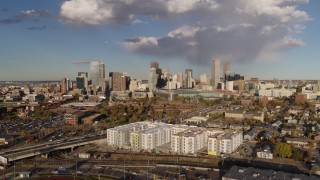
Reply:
x=124, y=168
x=4, y=171
x=76, y=166
x=14, y=170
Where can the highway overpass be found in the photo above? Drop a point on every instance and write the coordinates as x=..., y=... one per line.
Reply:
x=46, y=148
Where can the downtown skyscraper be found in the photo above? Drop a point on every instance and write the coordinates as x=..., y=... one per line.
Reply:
x=152, y=79
x=215, y=79
x=97, y=74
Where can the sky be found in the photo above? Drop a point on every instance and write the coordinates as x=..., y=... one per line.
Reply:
x=47, y=40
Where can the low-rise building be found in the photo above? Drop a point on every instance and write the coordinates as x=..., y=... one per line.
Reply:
x=236, y=114
x=300, y=142
x=250, y=135
x=238, y=127
x=74, y=118
x=91, y=119
x=256, y=116
x=265, y=152
x=196, y=120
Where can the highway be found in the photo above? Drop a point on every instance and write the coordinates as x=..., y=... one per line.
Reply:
x=45, y=148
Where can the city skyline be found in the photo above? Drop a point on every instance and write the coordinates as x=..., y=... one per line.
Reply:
x=46, y=40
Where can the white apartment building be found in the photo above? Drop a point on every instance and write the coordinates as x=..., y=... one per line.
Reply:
x=119, y=137
x=189, y=141
x=214, y=131
x=179, y=128
x=276, y=92
x=183, y=139
x=156, y=135
x=225, y=142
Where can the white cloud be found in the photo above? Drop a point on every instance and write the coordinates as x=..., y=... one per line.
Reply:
x=139, y=21
x=181, y=6
x=185, y=31
x=91, y=12
x=239, y=30
x=140, y=42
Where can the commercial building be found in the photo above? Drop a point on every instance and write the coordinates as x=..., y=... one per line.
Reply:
x=97, y=74
x=65, y=87
x=119, y=81
x=204, y=79
x=82, y=81
x=166, y=73
x=74, y=118
x=152, y=79
x=215, y=72
x=226, y=70
x=189, y=81
x=133, y=85
x=229, y=85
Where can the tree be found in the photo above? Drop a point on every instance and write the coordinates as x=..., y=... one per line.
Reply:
x=298, y=154
x=245, y=151
x=133, y=119
x=24, y=134
x=282, y=150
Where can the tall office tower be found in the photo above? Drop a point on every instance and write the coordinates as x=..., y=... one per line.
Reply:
x=233, y=77
x=115, y=81
x=215, y=72
x=125, y=81
x=82, y=74
x=70, y=84
x=152, y=79
x=180, y=79
x=97, y=74
x=82, y=80
x=226, y=70
x=64, y=85
x=160, y=82
x=204, y=79
x=189, y=83
x=154, y=64
x=166, y=74
x=133, y=85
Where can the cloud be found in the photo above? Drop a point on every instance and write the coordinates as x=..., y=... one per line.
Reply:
x=37, y=28
x=25, y=15
x=139, y=21
x=4, y=10
x=135, y=44
x=81, y=62
x=239, y=30
x=97, y=12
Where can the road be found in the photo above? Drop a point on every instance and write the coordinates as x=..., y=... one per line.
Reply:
x=48, y=147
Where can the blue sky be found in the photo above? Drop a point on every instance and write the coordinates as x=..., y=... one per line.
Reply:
x=41, y=39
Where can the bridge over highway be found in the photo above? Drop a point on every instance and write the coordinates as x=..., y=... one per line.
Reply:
x=46, y=148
